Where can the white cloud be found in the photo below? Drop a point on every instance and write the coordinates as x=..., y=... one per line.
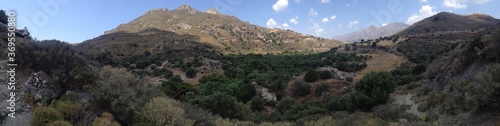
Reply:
x=280, y=5
x=462, y=3
x=423, y=1
x=324, y=20
x=340, y=25
x=424, y=12
x=326, y=1
x=272, y=24
x=353, y=23
x=333, y=17
x=295, y=20
x=298, y=1
x=317, y=29
x=384, y=24
x=285, y=26
x=312, y=12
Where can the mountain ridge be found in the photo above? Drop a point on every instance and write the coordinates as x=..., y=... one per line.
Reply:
x=446, y=22
x=226, y=33
x=372, y=32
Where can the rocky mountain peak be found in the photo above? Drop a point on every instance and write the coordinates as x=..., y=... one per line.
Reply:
x=184, y=7
x=212, y=11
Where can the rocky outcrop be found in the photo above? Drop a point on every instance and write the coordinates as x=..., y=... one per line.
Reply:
x=37, y=89
x=212, y=11
x=40, y=87
x=264, y=93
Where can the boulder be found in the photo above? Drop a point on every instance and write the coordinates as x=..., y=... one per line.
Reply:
x=41, y=87
x=264, y=93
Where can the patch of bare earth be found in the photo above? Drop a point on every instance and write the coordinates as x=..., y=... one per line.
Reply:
x=381, y=61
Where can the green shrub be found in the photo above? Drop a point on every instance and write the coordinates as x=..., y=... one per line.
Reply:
x=284, y=104
x=121, y=93
x=311, y=76
x=164, y=111
x=300, y=89
x=70, y=110
x=190, y=73
x=176, y=88
x=59, y=123
x=45, y=115
x=322, y=88
x=3, y=17
x=376, y=85
x=325, y=74
x=257, y=104
x=222, y=104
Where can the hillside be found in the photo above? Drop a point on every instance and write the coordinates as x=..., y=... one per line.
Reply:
x=450, y=22
x=372, y=32
x=227, y=34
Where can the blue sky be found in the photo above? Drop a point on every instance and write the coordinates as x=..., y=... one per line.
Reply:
x=79, y=20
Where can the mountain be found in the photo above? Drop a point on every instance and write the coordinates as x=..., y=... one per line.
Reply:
x=446, y=22
x=226, y=34
x=372, y=32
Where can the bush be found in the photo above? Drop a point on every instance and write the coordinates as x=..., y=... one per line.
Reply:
x=284, y=104
x=376, y=85
x=222, y=104
x=45, y=115
x=257, y=104
x=300, y=89
x=190, y=73
x=60, y=123
x=3, y=17
x=106, y=119
x=200, y=116
x=311, y=76
x=121, y=93
x=57, y=59
x=164, y=111
x=70, y=110
x=325, y=74
x=176, y=88
x=322, y=88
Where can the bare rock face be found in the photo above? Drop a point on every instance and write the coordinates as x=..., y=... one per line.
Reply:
x=212, y=11
x=264, y=93
x=39, y=85
x=37, y=89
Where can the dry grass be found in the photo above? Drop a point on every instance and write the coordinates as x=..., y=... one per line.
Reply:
x=381, y=61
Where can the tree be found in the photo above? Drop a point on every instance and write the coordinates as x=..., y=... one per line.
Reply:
x=311, y=76
x=376, y=85
x=190, y=73
x=222, y=104
x=374, y=44
x=322, y=88
x=257, y=104
x=325, y=74
x=45, y=115
x=121, y=92
x=3, y=17
x=147, y=53
x=176, y=88
x=164, y=111
x=300, y=89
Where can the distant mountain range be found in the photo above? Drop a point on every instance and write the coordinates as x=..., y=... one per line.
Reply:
x=373, y=32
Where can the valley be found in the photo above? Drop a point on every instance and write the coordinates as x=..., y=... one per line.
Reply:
x=187, y=67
